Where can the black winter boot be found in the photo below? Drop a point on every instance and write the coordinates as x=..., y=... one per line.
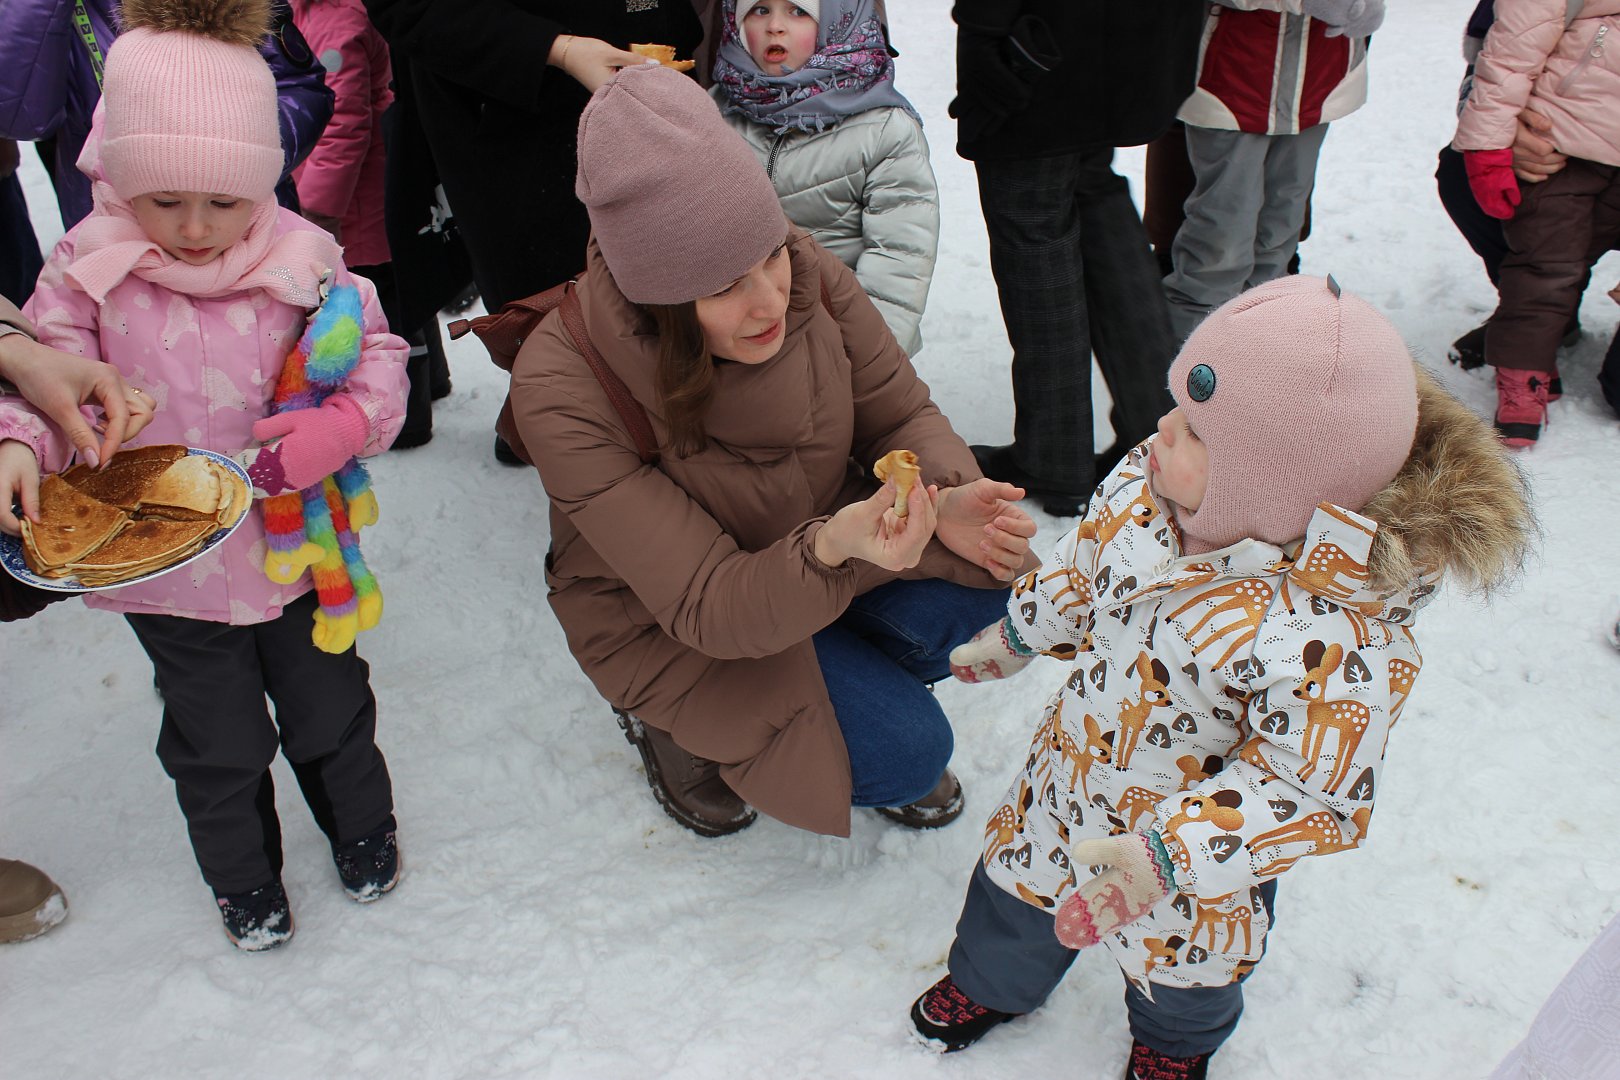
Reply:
x=257, y=920
x=949, y=1017
x=370, y=865
x=1148, y=1064
x=418, y=427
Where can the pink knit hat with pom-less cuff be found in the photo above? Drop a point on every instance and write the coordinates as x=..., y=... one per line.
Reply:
x=1301, y=394
x=679, y=204
x=187, y=112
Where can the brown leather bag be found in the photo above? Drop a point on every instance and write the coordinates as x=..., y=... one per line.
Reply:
x=503, y=334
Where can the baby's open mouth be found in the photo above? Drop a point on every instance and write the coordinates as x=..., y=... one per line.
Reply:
x=775, y=52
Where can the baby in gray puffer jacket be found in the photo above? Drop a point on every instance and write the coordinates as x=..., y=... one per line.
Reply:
x=810, y=86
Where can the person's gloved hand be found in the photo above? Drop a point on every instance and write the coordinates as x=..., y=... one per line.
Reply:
x=1490, y=177
x=996, y=652
x=1139, y=875
x=1349, y=18
x=310, y=444
x=999, y=69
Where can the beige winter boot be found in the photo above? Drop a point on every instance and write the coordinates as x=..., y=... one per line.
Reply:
x=30, y=902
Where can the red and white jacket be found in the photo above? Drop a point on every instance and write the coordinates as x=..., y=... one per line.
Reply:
x=1266, y=69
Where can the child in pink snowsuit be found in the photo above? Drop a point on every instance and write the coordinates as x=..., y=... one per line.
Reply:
x=190, y=280
x=1555, y=57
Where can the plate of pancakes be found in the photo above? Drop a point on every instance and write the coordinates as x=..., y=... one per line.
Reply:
x=151, y=510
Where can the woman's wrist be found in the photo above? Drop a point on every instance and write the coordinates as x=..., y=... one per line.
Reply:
x=825, y=550
x=558, y=56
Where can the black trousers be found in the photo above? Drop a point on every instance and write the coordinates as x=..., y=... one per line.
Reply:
x=218, y=739
x=1483, y=232
x=1075, y=276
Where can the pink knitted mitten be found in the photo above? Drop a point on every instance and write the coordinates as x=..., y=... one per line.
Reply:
x=310, y=444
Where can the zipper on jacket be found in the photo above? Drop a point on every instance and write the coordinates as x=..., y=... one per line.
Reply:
x=1594, y=51
x=770, y=162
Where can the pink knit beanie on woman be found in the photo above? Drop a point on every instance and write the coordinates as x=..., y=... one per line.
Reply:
x=189, y=104
x=679, y=204
x=1301, y=394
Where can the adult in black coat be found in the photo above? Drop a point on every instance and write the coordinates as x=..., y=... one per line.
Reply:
x=499, y=88
x=1045, y=90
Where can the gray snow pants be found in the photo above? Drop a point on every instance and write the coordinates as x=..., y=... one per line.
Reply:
x=1243, y=217
x=1006, y=957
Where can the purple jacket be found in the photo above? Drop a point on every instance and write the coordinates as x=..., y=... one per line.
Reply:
x=48, y=87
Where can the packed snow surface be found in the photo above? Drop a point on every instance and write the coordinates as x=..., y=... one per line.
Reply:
x=553, y=922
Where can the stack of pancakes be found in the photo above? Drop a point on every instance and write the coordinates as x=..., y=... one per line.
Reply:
x=150, y=507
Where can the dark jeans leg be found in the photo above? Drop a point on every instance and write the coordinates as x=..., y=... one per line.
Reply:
x=876, y=661
x=20, y=259
x=1184, y=1021
x=1483, y=232
x=1005, y=956
x=328, y=720
x=217, y=742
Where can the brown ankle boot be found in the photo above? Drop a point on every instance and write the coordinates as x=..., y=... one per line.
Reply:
x=689, y=788
x=939, y=807
x=30, y=902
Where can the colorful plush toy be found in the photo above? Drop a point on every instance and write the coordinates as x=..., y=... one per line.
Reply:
x=315, y=528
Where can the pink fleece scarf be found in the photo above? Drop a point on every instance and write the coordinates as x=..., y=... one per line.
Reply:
x=110, y=245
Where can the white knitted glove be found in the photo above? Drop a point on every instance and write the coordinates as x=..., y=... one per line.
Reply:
x=993, y=653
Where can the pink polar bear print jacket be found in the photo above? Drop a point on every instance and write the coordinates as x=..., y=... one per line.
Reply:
x=211, y=365
x=1566, y=69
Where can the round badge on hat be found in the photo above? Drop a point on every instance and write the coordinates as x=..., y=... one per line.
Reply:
x=1201, y=382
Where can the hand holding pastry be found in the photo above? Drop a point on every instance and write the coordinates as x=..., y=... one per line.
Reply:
x=872, y=531
x=902, y=466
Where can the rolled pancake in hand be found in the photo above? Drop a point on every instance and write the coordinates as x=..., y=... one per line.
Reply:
x=664, y=54
x=902, y=465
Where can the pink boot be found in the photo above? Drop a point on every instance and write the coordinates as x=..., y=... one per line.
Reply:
x=1521, y=406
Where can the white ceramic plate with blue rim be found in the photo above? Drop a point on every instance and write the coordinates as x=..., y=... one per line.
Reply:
x=11, y=553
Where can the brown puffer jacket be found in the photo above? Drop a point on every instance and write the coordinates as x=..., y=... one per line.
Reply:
x=688, y=590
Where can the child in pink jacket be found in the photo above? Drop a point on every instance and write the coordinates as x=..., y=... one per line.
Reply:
x=190, y=280
x=1558, y=58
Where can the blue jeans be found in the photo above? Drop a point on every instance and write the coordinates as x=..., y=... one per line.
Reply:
x=878, y=660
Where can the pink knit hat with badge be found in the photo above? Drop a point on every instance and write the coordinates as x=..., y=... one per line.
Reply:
x=1301, y=394
x=189, y=104
x=679, y=204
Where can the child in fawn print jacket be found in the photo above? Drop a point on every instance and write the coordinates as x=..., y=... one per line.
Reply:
x=1238, y=605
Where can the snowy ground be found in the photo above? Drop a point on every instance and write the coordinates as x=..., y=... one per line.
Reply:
x=554, y=923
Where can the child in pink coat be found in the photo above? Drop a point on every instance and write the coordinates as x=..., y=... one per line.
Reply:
x=1555, y=57
x=190, y=280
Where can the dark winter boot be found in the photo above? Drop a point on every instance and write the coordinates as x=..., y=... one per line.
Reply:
x=505, y=454
x=1609, y=375
x=939, y=807
x=418, y=427
x=949, y=1017
x=997, y=463
x=438, y=362
x=1148, y=1064
x=257, y=920
x=689, y=788
x=30, y=902
x=370, y=865
x=1521, y=406
x=1468, y=351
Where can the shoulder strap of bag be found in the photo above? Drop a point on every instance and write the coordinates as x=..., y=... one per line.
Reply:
x=629, y=409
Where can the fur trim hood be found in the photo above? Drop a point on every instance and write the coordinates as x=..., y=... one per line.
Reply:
x=1459, y=506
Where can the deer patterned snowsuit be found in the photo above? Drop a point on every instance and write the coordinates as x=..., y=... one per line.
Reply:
x=1239, y=700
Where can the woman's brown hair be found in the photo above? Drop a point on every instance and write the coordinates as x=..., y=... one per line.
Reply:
x=685, y=374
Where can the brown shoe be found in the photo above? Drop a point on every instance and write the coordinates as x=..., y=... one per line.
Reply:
x=939, y=807
x=689, y=788
x=30, y=902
